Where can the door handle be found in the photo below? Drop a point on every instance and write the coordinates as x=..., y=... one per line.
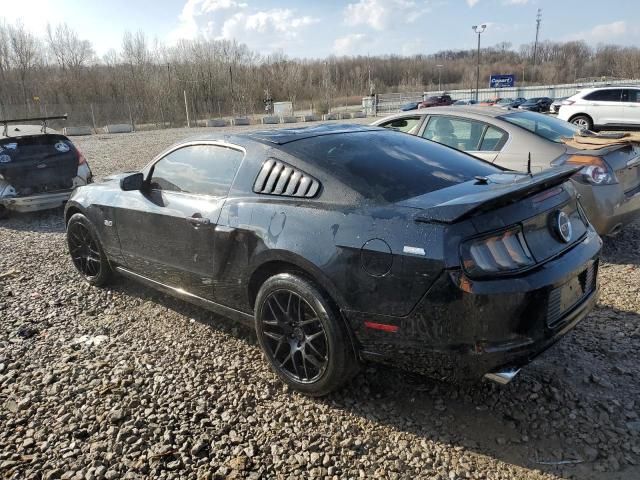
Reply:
x=196, y=221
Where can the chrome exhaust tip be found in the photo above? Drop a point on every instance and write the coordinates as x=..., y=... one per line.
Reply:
x=502, y=376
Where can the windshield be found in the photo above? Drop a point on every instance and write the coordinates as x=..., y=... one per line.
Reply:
x=542, y=125
x=389, y=166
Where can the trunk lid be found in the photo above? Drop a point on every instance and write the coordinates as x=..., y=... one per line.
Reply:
x=625, y=162
x=538, y=205
x=38, y=163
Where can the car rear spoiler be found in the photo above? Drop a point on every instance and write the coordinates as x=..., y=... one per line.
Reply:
x=5, y=123
x=494, y=195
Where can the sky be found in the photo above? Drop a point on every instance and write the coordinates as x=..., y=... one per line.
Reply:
x=314, y=29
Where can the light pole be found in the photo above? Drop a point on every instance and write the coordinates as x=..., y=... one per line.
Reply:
x=439, y=76
x=478, y=30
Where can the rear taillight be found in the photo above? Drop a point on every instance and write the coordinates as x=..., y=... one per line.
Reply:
x=81, y=159
x=567, y=102
x=504, y=252
x=594, y=170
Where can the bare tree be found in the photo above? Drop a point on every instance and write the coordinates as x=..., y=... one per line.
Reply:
x=24, y=51
x=69, y=50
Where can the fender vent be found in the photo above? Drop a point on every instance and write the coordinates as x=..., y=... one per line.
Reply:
x=279, y=178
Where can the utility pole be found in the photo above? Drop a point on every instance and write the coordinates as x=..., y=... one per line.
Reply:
x=439, y=67
x=478, y=30
x=535, y=45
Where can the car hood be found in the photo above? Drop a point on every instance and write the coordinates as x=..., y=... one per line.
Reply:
x=454, y=203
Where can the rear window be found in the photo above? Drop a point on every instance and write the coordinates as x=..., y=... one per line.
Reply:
x=15, y=149
x=542, y=125
x=389, y=166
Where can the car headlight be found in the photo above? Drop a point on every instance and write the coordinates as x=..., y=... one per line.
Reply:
x=503, y=252
x=594, y=171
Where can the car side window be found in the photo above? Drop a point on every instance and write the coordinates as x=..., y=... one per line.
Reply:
x=631, y=95
x=609, y=95
x=197, y=169
x=405, y=124
x=454, y=132
x=493, y=139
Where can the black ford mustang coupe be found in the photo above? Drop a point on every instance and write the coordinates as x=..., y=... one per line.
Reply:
x=347, y=243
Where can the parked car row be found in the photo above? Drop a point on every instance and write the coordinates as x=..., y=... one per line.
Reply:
x=347, y=243
x=609, y=178
x=590, y=108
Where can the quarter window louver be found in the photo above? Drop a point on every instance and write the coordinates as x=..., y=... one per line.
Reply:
x=279, y=178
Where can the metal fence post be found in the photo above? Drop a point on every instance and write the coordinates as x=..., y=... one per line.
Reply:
x=186, y=108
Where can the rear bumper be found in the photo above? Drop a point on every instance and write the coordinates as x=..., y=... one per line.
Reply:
x=608, y=206
x=34, y=203
x=465, y=329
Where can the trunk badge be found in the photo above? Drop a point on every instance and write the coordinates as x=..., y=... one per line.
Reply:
x=563, y=226
x=42, y=165
x=108, y=223
x=61, y=147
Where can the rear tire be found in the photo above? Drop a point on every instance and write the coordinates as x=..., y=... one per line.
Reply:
x=582, y=121
x=86, y=251
x=303, y=336
x=4, y=212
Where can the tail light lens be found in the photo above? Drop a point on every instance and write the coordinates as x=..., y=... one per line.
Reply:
x=504, y=252
x=567, y=102
x=81, y=159
x=594, y=170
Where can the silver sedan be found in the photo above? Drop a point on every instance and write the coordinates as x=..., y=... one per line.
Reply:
x=609, y=182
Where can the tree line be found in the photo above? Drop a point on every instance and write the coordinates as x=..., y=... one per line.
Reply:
x=145, y=81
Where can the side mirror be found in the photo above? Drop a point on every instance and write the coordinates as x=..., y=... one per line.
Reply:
x=135, y=181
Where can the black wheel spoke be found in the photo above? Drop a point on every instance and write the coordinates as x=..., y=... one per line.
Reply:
x=309, y=321
x=315, y=350
x=312, y=337
x=316, y=363
x=274, y=336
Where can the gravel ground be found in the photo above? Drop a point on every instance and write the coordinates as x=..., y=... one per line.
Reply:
x=129, y=383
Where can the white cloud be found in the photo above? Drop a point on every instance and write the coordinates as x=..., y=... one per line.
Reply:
x=262, y=30
x=277, y=21
x=33, y=14
x=380, y=14
x=472, y=3
x=515, y=2
x=606, y=32
x=350, y=44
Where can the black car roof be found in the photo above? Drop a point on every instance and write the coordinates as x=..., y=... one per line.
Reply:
x=287, y=135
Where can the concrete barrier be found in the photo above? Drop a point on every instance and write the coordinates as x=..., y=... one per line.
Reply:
x=271, y=120
x=288, y=119
x=74, y=131
x=216, y=122
x=359, y=115
x=309, y=118
x=241, y=121
x=118, y=128
x=345, y=116
x=330, y=116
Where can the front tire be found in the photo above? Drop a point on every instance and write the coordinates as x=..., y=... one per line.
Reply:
x=303, y=336
x=582, y=121
x=86, y=251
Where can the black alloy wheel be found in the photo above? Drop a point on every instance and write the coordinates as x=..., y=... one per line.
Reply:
x=86, y=252
x=294, y=336
x=303, y=335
